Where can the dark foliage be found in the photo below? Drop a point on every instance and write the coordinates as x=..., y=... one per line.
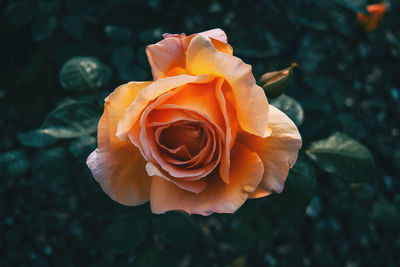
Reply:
x=53, y=213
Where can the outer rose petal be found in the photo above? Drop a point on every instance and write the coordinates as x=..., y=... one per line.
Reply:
x=245, y=175
x=278, y=151
x=167, y=57
x=216, y=34
x=121, y=174
x=251, y=102
x=149, y=93
x=118, y=166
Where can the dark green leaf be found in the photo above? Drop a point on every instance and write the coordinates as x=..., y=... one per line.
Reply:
x=13, y=163
x=343, y=156
x=122, y=56
x=43, y=27
x=74, y=26
x=82, y=147
x=49, y=7
x=51, y=167
x=84, y=73
x=386, y=214
x=354, y=5
x=19, y=12
x=291, y=107
x=72, y=119
x=126, y=233
x=177, y=230
x=36, y=138
x=118, y=33
x=300, y=185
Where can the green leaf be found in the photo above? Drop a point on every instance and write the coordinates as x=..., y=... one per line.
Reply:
x=84, y=73
x=82, y=147
x=13, y=163
x=118, y=33
x=300, y=185
x=74, y=26
x=126, y=233
x=290, y=107
x=36, y=138
x=43, y=27
x=19, y=12
x=354, y=5
x=385, y=213
x=177, y=230
x=51, y=166
x=344, y=157
x=72, y=119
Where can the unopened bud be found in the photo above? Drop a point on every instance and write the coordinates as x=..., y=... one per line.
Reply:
x=275, y=83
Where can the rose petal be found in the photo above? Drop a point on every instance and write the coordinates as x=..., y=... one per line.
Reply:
x=251, y=102
x=278, y=151
x=161, y=117
x=149, y=93
x=114, y=108
x=167, y=57
x=217, y=37
x=144, y=138
x=245, y=176
x=225, y=159
x=200, y=98
x=121, y=174
x=217, y=34
x=195, y=186
x=118, y=166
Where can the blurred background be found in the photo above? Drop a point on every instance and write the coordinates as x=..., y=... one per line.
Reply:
x=53, y=213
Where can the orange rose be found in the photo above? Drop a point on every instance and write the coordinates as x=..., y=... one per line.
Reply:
x=200, y=138
x=371, y=22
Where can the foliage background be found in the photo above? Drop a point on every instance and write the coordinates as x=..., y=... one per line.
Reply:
x=52, y=213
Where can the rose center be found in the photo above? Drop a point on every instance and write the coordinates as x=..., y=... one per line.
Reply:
x=189, y=135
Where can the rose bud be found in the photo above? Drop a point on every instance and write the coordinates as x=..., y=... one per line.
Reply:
x=371, y=21
x=275, y=83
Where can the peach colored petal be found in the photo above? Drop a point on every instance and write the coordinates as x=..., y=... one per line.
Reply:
x=180, y=151
x=199, y=98
x=199, y=159
x=149, y=93
x=146, y=142
x=144, y=138
x=251, y=102
x=163, y=117
x=159, y=117
x=216, y=34
x=196, y=186
x=246, y=174
x=114, y=108
x=225, y=159
x=259, y=193
x=121, y=174
x=116, y=165
x=165, y=55
x=216, y=130
x=278, y=151
x=217, y=37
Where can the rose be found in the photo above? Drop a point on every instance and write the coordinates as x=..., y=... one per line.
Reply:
x=200, y=138
x=375, y=14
